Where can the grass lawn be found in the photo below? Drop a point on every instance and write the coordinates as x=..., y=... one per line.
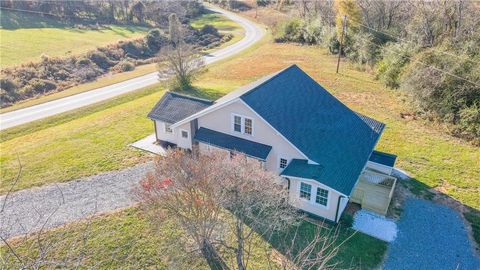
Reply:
x=26, y=36
x=127, y=239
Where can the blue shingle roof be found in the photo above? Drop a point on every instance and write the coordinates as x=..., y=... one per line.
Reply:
x=319, y=125
x=173, y=107
x=301, y=168
x=232, y=143
x=383, y=158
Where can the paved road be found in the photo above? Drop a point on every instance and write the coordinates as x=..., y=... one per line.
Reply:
x=253, y=33
x=53, y=205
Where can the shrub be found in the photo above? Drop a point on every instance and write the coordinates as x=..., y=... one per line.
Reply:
x=123, y=66
x=313, y=32
x=8, y=85
x=82, y=62
x=155, y=40
x=362, y=48
x=37, y=86
x=290, y=30
x=394, y=58
x=209, y=29
x=100, y=59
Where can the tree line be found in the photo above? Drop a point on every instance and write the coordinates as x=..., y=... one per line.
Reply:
x=154, y=12
x=428, y=49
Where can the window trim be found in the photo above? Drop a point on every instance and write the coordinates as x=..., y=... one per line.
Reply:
x=300, y=191
x=327, y=198
x=280, y=162
x=169, y=126
x=313, y=193
x=242, y=124
x=181, y=133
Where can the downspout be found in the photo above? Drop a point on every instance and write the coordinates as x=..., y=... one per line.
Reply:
x=155, y=127
x=338, y=207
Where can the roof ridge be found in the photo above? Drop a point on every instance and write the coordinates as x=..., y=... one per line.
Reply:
x=273, y=75
x=189, y=97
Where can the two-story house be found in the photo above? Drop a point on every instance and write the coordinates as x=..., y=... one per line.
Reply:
x=294, y=127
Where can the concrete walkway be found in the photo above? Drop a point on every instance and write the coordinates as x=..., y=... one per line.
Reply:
x=431, y=236
x=150, y=144
x=53, y=205
x=375, y=225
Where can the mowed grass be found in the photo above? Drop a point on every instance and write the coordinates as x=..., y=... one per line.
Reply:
x=79, y=143
x=127, y=239
x=25, y=37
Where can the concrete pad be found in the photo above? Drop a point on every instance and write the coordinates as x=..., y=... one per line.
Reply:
x=150, y=144
x=375, y=225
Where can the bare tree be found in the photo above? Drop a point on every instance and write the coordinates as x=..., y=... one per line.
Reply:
x=216, y=199
x=182, y=63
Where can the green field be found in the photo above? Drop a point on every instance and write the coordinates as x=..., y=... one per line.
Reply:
x=25, y=37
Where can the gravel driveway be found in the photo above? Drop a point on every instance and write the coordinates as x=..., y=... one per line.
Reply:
x=53, y=205
x=430, y=236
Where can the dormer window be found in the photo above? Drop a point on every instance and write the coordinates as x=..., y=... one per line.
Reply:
x=242, y=124
x=237, y=123
x=248, y=126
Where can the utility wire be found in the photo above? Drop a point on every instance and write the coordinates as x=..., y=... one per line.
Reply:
x=411, y=42
x=424, y=64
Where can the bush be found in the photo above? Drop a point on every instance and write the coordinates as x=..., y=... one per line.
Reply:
x=394, y=58
x=37, y=86
x=82, y=62
x=123, y=66
x=291, y=30
x=209, y=29
x=100, y=59
x=155, y=40
x=362, y=48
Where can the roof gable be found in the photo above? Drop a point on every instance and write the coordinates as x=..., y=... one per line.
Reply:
x=173, y=107
x=318, y=124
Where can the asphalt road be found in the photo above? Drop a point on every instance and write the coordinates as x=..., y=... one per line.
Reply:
x=253, y=33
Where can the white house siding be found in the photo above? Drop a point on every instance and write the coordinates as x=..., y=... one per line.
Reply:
x=328, y=212
x=221, y=121
x=205, y=149
x=176, y=136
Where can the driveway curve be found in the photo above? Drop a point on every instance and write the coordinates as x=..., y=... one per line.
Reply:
x=431, y=236
x=253, y=33
x=49, y=206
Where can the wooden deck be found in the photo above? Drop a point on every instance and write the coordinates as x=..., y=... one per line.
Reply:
x=374, y=191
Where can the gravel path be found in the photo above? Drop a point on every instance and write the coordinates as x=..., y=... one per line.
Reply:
x=54, y=205
x=430, y=236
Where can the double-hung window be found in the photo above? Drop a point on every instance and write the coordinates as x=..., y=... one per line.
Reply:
x=184, y=134
x=248, y=123
x=168, y=129
x=322, y=196
x=237, y=123
x=305, y=191
x=242, y=124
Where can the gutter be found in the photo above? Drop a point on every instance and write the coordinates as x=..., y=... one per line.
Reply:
x=338, y=207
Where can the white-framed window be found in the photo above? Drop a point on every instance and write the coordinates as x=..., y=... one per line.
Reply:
x=282, y=163
x=305, y=191
x=322, y=196
x=248, y=126
x=184, y=134
x=237, y=123
x=168, y=129
x=242, y=124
